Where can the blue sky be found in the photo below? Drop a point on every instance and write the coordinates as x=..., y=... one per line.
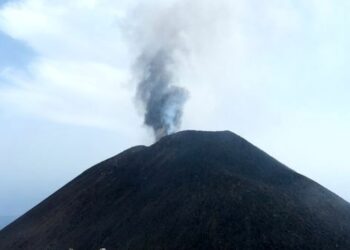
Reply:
x=274, y=72
x=14, y=53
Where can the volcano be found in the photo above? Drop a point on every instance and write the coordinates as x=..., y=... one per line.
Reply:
x=190, y=190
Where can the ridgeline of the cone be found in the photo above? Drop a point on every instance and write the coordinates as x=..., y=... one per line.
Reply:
x=190, y=190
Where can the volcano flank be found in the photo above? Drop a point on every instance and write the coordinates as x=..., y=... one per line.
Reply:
x=190, y=190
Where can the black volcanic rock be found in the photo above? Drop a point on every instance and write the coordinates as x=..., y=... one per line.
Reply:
x=190, y=190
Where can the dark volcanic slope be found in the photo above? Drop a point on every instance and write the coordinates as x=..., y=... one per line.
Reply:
x=191, y=190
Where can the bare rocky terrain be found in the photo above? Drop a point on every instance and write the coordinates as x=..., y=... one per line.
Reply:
x=190, y=190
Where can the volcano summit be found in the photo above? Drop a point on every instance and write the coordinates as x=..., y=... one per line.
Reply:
x=190, y=190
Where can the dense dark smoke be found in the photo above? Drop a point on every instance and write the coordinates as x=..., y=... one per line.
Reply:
x=162, y=100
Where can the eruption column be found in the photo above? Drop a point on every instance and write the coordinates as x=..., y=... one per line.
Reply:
x=162, y=100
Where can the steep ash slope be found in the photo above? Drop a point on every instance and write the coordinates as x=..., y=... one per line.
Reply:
x=190, y=190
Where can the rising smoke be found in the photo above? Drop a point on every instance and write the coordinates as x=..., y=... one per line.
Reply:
x=162, y=101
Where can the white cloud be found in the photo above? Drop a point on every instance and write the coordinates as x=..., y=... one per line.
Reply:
x=81, y=73
x=84, y=93
x=85, y=52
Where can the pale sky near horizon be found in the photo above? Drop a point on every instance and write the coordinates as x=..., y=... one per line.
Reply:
x=274, y=72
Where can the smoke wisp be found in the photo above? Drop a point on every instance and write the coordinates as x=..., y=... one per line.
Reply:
x=162, y=100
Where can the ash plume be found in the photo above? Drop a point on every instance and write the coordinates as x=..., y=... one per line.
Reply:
x=162, y=101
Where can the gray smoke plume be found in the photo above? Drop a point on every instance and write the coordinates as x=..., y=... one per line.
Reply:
x=162, y=100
